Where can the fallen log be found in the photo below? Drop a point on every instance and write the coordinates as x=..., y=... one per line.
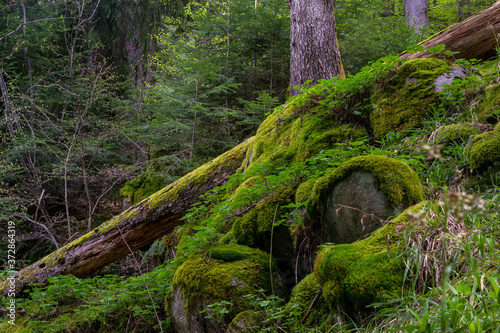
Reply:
x=476, y=37
x=137, y=226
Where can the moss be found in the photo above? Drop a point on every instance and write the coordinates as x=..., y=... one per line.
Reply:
x=304, y=190
x=294, y=133
x=230, y=253
x=358, y=274
x=485, y=149
x=205, y=280
x=405, y=99
x=302, y=298
x=247, y=321
x=456, y=131
x=142, y=187
x=254, y=228
x=395, y=179
x=20, y=326
x=247, y=185
x=490, y=106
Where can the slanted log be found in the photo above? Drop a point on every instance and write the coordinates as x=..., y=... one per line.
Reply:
x=136, y=227
x=475, y=37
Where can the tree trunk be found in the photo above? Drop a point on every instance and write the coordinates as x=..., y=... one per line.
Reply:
x=314, y=51
x=417, y=14
x=476, y=37
x=138, y=226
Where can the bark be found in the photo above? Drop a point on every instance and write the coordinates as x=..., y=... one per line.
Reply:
x=475, y=37
x=417, y=14
x=314, y=51
x=136, y=227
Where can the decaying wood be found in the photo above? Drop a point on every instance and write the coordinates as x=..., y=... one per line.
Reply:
x=475, y=37
x=138, y=226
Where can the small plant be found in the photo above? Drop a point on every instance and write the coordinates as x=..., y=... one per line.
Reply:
x=217, y=310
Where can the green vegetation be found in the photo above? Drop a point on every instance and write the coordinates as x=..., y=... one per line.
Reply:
x=251, y=255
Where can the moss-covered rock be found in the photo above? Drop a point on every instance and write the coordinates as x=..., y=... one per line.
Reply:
x=489, y=108
x=484, y=149
x=248, y=321
x=304, y=190
x=456, y=132
x=356, y=275
x=343, y=200
x=254, y=228
x=287, y=135
x=226, y=273
x=302, y=298
x=405, y=99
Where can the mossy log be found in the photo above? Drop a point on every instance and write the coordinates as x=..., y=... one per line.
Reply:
x=475, y=37
x=134, y=228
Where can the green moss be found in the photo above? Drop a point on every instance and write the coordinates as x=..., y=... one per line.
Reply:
x=304, y=190
x=254, y=228
x=405, y=99
x=141, y=187
x=358, y=274
x=230, y=253
x=490, y=106
x=247, y=321
x=395, y=179
x=456, y=131
x=247, y=185
x=485, y=149
x=206, y=280
x=293, y=133
x=301, y=299
x=19, y=327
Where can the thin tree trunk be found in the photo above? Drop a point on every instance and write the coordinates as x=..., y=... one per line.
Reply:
x=138, y=226
x=417, y=14
x=475, y=37
x=194, y=121
x=314, y=52
x=9, y=113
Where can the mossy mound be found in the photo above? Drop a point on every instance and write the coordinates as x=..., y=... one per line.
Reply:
x=304, y=190
x=485, y=149
x=356, y=275
x=204, y=280
x=295, y=133
x=254, y=228
x=456, y=132
x=405, y=99
x=490, y=106
x=302, y=298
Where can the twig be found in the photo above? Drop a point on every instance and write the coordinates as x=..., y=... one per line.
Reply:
x=320, y=291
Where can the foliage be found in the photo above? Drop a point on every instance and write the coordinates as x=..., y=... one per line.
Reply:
x=75, y=119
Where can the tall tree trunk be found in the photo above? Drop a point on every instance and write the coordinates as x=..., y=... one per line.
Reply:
x=475, y=37
x=314, y=51
x=136, y=227
x=417, y=14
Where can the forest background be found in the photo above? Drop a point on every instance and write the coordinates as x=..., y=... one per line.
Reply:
x=105, y=102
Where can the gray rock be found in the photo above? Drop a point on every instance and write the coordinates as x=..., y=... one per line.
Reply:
x=361, y=197
x=448, y=78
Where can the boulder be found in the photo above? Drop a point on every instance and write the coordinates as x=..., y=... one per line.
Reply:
x=484, y=149
x=406, y=97
x=225, y=273
x=357, y=197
